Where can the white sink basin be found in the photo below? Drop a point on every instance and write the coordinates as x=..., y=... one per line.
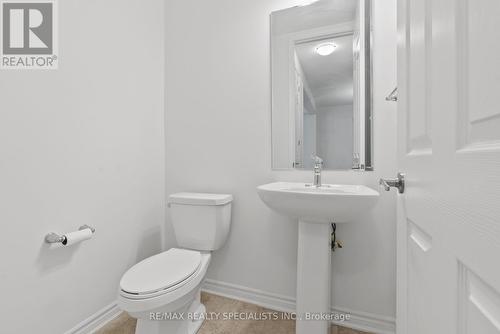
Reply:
x=328, y=203
x=312, y=205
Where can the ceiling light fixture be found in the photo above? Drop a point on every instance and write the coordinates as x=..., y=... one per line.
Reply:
x=325, y=49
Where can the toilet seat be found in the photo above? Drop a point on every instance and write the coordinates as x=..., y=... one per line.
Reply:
x=160, y=274
x=169, y=300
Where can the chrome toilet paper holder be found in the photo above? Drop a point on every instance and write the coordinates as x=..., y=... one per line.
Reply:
x=54, y=238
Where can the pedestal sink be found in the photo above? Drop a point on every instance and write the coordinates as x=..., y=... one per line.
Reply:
x=316, y=208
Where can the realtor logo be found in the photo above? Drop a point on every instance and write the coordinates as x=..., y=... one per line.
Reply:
x=29, y=39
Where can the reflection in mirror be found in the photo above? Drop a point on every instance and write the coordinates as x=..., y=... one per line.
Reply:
x=321, y=85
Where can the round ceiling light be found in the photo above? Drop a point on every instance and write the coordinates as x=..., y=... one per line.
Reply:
x=325, y=49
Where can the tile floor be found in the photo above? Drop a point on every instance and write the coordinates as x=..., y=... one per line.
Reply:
x=126, y=325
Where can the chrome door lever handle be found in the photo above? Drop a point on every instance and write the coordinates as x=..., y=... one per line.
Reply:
x=399, y=183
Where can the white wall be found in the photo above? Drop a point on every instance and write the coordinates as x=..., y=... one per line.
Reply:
x=82, y=145
x=335, y=136
x=219, y=140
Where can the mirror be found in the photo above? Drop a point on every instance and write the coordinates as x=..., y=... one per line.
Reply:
x=321, y=85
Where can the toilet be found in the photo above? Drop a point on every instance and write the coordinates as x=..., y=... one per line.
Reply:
x=163, y=291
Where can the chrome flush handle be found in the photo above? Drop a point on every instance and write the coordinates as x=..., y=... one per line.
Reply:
x=398, y=183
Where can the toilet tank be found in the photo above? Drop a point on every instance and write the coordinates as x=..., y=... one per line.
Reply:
x=200, y=221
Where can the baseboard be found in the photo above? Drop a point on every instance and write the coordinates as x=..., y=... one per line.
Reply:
x=97, y=320
x=368, y=322
x=363, y=321
x=258, y=297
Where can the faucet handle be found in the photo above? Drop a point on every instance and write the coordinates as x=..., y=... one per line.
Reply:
x=317, y=160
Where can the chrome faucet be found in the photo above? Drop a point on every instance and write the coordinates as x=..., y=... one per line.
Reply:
x=318, y=164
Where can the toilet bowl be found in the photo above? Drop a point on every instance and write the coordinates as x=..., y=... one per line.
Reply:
x=163, y=291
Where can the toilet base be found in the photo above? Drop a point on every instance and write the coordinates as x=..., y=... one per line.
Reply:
x=193, y=317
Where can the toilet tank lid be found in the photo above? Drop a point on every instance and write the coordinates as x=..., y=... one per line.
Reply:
x=200, y=199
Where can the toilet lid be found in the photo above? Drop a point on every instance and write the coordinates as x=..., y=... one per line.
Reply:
x=161, y=271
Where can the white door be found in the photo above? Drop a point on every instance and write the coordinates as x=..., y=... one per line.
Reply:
x=449, y=135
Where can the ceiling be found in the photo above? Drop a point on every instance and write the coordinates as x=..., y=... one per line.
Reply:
x=317, y=14
x=329, y=78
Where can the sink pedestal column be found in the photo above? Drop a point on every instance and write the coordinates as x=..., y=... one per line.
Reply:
x=313, y=278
